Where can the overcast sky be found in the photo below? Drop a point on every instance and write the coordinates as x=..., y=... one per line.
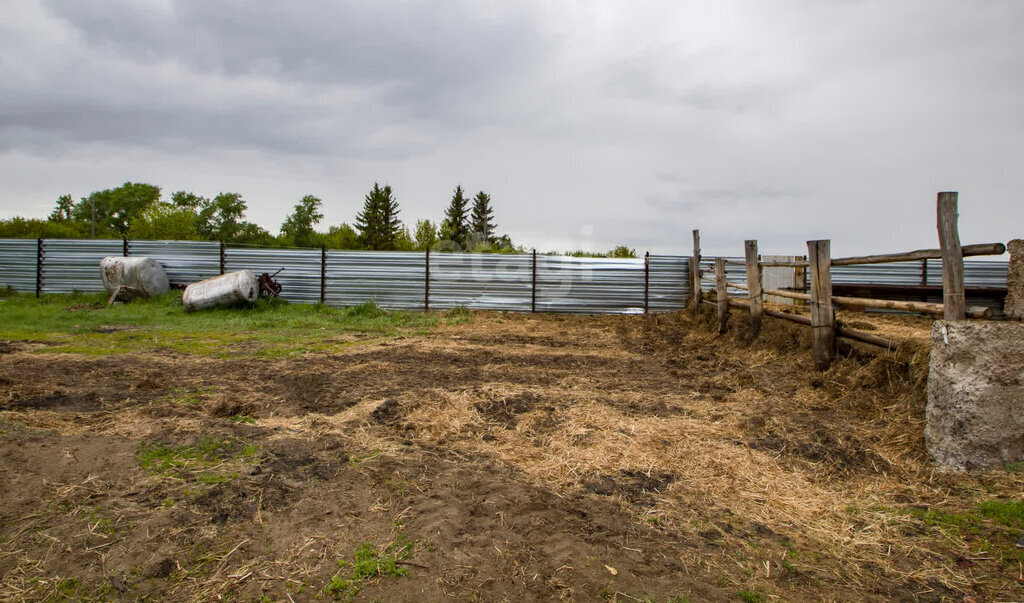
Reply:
x=589, y=123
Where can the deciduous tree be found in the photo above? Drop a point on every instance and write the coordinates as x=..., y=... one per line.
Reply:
x=298, y=226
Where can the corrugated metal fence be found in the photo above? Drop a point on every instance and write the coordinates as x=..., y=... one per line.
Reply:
x=398, y=280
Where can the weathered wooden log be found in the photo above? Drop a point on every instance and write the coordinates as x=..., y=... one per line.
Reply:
x=722, y=293
x=953, y=297
x=797, y=318
x=865, y=337
x=782, y=264
x=921, y=254
x=789, y=294
x=823, y=316
x=909, y=306
x=754, y=286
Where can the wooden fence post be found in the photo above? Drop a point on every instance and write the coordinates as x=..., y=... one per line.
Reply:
x=953, y=296
x=721, y=294
x=426, y=283
x=698, y=294
x=754, y=286
x=823, y=317
x=800, y=279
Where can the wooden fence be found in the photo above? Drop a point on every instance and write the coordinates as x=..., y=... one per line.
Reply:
x=825, y=328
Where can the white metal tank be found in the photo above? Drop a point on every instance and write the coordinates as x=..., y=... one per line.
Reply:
x=144, y=276
x=231, y=289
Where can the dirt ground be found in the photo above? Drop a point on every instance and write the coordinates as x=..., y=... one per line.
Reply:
x=512, y=457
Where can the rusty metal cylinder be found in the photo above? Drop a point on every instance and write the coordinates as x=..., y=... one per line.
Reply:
x=144, y=276
x=231, y=289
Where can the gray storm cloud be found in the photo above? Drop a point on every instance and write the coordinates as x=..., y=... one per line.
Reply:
x=781, y=121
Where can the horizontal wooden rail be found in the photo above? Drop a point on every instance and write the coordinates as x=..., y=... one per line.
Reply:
x=842, y=331
x=866, y=337
x=783, y=264
x=776, y=292
x=884, y=304
x=907, y=306
x=921, y=254
x=789, y=294
x=797, y=318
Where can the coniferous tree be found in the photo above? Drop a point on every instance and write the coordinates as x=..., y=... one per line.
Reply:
x=378, y=223
x=456, y=224
x=482, y=218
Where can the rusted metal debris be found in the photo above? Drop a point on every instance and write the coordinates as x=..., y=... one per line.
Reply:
x=268, y=286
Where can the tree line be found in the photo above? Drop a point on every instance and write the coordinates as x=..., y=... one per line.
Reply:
x=139, y=211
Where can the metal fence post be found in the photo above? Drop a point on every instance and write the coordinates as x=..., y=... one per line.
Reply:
x=647, y=280
x=697, y=293
x=323, y=274
x=533, y=284
x=222, y=262
x=426, y=283
x=124, y=247
x=39, y=266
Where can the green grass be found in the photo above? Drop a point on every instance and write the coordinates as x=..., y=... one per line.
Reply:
x=83, y=323
x=751, y=596
x=369, y=562
x=205, y=460
x=991, y=526
x=1008, y=513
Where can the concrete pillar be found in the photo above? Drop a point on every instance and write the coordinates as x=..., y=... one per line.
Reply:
x=975, y=411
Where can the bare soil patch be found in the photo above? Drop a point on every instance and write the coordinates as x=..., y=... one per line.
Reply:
x=523, y=457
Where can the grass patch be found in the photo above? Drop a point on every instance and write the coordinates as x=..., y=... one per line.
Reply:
x=242, y=419
x=369, y=562
x=993, y=526
x=458, y=315
x=189, y=396
x=1006, y=513
x=204, y=461
x=83, y=323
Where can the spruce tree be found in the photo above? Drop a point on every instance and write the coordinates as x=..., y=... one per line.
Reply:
x=482, y=218
x=378, y=223
x=455, y=224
